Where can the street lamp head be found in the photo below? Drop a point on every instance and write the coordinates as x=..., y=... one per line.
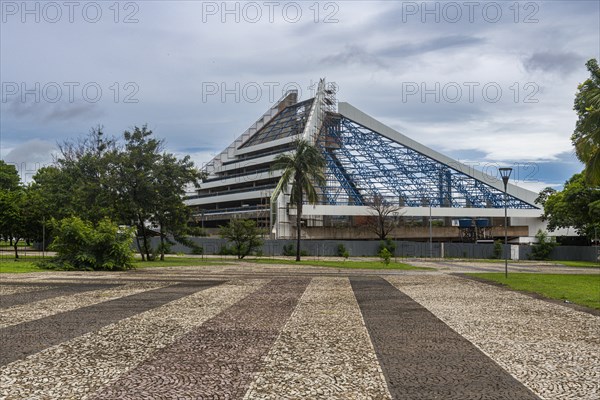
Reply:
x=505, y=174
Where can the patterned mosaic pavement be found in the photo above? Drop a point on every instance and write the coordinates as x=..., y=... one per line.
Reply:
x=265, y=332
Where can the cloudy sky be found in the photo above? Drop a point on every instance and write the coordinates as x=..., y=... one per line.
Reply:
x=488, y=83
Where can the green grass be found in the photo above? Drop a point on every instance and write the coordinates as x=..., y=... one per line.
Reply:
x=11, y=267
x=579, y=264
x=579, y=289
x=8, y=265
x=21, y=243
x=339, y=264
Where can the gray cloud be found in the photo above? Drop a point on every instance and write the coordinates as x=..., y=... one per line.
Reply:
x=437, y=44
x=51, y=112
x=64, y=112
x=353, y=54
x=553, y=62
x=35, y=150
x=30, y=156
x=170, y=53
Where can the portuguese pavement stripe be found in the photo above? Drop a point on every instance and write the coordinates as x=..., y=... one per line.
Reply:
x=554, y=350
x=423, y=358
x=19, y=341
x=44, y=308
x=323, y=352
x=19, y=298
x=219, y=358
x=79, y=367
x=6, y=289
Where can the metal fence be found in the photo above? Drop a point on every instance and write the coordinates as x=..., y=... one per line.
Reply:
x=406, y=249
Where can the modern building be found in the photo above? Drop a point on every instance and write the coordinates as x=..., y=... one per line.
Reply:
x=366, y=159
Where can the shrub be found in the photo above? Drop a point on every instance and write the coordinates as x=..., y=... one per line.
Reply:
x=542, y=249
x=224, y=251
x=197, y=231
x=342, y=251
x=289, y=250
x=188, y=242
x=82, y=245
x=244, y=235
x=387, y=244
x=385, y=256
x=497, y=252
x=162, y=248
x=197, y=250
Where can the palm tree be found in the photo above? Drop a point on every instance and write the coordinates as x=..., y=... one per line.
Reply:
x=302, y=169
x=586, y=137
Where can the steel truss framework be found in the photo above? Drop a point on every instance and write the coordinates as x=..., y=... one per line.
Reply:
x=289, y=122
x=362, y=163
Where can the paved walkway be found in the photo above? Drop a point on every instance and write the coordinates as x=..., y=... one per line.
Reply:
x=283, y=332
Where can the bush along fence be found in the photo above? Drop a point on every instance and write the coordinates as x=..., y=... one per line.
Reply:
x=404, y=249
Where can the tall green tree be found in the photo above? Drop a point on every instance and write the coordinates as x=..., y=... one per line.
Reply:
x=136, y=183
x=20, y=217
x=304, y=171
x=130, y=180
x=577, y=206
x=54, y=189
x=20, y=209
x=9, y=183
x=10, y=217
x=9, y=176
x=171, y=214
x=151, y=187
x=82, y=180
x=586, y=137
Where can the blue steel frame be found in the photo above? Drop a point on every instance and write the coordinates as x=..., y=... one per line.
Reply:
x=362, y=163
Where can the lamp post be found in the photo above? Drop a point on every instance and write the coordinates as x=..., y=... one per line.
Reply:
x=430, y=233
x=505, y=174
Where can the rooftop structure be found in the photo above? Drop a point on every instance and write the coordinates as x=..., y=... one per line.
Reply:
x=365, y=159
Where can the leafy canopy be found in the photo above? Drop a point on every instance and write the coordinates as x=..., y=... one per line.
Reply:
x=586, y=137
x=130, y=180
x=577, y=206
x=9, y=176
x=83, y=245
x=244, y=234
x=303, y=169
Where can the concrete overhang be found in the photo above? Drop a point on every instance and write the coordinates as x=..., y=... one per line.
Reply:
x=250, y=194
x=436, y=212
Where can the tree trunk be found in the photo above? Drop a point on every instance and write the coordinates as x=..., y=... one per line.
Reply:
x=16, y=249
x=298, y=227
x=146, y=246
x=137, y=239
x=162, y=245
x=144, y=237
